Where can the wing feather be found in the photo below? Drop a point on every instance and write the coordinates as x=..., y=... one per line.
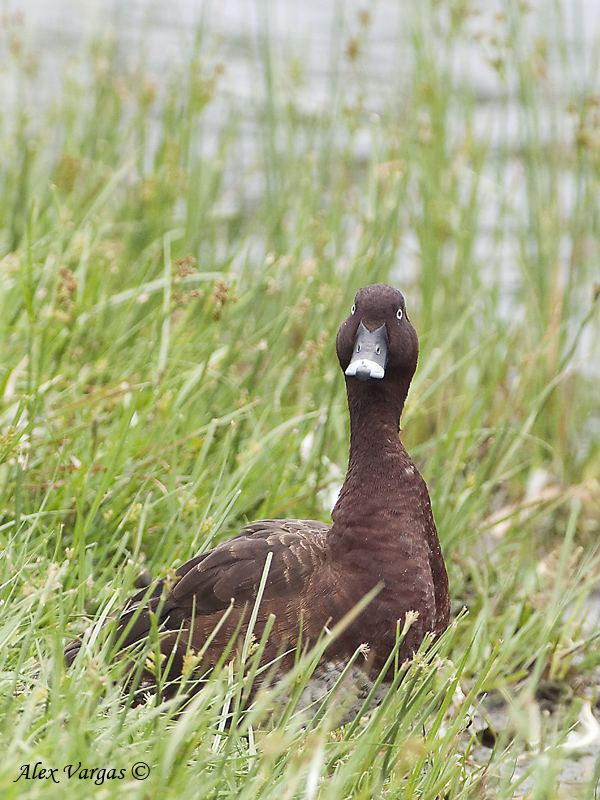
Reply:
x=232, y=571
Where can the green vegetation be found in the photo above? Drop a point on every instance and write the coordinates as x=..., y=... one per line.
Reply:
x=168, y=373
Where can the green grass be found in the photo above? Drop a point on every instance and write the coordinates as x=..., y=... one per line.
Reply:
x=168, y=346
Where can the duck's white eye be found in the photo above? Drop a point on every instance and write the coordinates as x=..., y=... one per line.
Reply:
x=353, y=309
x=399, y=314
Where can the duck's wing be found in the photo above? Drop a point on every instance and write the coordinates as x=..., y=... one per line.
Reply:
x=228, y=574
x=233, y=570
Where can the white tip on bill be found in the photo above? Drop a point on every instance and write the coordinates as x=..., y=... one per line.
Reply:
x=364, y=369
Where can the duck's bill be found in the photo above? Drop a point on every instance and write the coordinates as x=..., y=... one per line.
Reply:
x=364, y=369
x=369, y=355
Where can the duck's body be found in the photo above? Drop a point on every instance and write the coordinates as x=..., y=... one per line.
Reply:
x=383, y=535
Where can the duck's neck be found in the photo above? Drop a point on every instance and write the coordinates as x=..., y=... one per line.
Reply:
x=378, y=463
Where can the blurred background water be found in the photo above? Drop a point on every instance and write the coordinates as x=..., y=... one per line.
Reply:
x=309, y=31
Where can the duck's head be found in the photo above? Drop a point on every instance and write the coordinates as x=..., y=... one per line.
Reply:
x=377, y=343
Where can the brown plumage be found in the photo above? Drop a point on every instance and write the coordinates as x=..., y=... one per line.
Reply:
x=383, y=534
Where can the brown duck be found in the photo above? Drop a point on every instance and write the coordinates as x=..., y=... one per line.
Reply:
x=383, y=535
